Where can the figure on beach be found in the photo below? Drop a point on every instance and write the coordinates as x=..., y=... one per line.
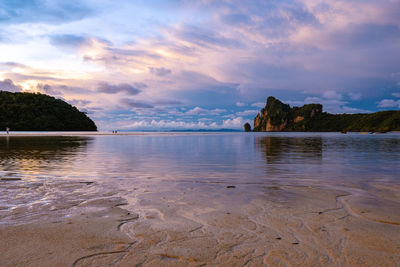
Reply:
x=7, y=130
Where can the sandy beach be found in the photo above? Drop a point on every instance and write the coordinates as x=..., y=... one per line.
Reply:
x=285, y=226
x=240, y=200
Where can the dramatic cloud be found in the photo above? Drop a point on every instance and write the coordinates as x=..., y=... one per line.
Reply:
x=123, y=87
x=160, y=71
x=389, y=103
x=59, y=90
x=12, y=64
x=79, y=102
x=202, y=63
x=8, y=85
x=205, y=37
x=202, y=111
x=136, y=104
x=77, y=41
x=48, y=89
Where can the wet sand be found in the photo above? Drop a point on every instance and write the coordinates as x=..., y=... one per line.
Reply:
x=92, y=236
x=279, y=225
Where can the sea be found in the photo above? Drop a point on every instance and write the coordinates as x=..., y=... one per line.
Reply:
x=44, y=173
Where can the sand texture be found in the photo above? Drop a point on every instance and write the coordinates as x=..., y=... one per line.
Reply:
x=278, y=226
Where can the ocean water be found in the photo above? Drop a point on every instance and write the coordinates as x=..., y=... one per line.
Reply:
x=47, y=174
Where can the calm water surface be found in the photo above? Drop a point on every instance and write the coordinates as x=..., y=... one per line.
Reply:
x=38, y=172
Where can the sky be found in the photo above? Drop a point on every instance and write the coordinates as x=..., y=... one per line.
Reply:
x=205, y=64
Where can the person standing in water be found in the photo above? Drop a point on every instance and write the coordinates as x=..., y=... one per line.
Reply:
x=7, y=130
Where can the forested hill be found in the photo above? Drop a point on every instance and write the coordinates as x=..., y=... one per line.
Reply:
x=277, y=116
x=39, y=112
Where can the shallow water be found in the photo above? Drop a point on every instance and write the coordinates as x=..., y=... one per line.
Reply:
x=217, y=199
x=42, y=173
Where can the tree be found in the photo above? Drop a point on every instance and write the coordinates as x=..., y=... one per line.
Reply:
x=39, y=112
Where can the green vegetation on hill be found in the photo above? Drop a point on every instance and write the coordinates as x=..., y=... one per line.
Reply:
x=39, y=112
x=277, y=116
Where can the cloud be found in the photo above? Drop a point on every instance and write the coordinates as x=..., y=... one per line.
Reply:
x=235, y=19
x=354, y=96
x=107, y=88
x=240, y=104
x=205, y=37
x=69, y=40
x=48, y=89
x=79, y=102
x=365, y=34
x=258, y=104
x=131, y=52
x=234, y=123
x=202, y=111
x=75, y=41
x=167, y=102
x=333, y=105
x=60, y=89
x=160, y=71
x=31, y=11
x=250, y=112
x=136, y=104
x=396, y=94
x=164, y=124
x=12, y=64
x=191, y=80
x=332, y=95
x=8, y=85
x=351, y=110
x=389, y=103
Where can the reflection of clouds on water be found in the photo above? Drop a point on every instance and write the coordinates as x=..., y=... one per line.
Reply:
x=31, y=154
x=49, y=147
x=34, y=174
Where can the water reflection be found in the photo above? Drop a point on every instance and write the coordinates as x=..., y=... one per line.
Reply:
x=31, y=154
x=289, y=149
x=330, y=157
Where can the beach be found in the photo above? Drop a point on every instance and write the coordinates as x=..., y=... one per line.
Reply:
x=311, y=227
x=219, y=217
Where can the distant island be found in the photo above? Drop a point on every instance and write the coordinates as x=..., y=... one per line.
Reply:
x=277, y=116
x=40, y=112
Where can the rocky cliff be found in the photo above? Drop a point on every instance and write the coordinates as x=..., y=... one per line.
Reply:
x=277, y=116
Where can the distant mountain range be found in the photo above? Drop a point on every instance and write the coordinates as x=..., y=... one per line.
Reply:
x=277, y=116
x=39, y=112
